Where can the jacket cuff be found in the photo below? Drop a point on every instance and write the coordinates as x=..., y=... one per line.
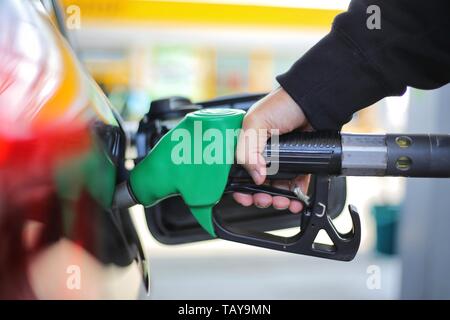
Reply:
x=332, y=81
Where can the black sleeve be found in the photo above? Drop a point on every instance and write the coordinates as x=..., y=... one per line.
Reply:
x=354, y=66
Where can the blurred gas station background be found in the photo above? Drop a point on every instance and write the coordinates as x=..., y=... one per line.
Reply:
x=139, y=51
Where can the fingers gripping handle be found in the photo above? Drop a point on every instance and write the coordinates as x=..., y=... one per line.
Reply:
x=300, y=153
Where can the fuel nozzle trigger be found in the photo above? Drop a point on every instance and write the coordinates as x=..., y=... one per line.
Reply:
x=314, y=217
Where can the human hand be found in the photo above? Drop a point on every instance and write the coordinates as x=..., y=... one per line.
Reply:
x=275, y=111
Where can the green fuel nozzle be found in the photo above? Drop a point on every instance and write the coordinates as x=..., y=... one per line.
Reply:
x=196, y=161
x=192, y=160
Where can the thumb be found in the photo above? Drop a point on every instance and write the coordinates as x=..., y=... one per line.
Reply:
x=251, y=143
x=276, y=111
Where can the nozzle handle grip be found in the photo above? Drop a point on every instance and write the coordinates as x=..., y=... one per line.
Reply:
x=306, y=152
x=299, y=153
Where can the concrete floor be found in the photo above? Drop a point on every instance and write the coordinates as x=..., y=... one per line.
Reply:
x=268, y=275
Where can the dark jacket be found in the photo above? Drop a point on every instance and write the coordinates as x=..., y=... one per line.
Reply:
x=354, y=66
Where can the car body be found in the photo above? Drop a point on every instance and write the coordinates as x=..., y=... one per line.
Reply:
x=62, y=152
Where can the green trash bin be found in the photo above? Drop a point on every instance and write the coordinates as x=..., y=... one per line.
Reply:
x=387, y=220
